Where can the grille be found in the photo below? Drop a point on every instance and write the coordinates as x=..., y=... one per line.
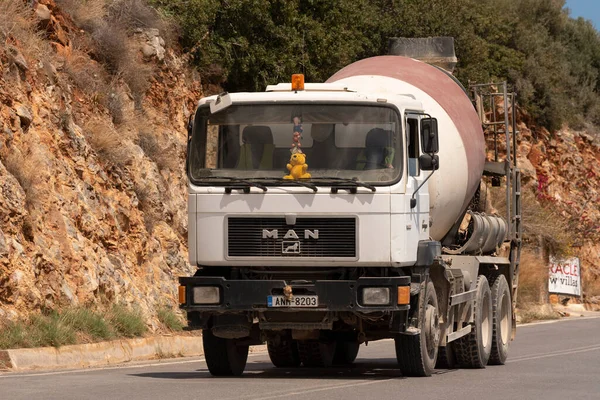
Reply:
x=308, y=237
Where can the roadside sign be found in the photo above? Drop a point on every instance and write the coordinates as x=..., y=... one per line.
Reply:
x=564, y=276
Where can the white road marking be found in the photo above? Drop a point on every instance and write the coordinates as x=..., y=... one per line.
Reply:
x=302, y=391
x=553, y=321
x=555, y=354
x=93, y=369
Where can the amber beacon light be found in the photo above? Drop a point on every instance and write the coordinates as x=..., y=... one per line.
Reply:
x=297, y=82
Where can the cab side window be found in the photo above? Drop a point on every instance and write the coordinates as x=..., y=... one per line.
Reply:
x=412, y=131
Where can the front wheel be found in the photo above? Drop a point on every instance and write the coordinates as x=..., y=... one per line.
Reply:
x=224, y=357
x=417, y=354
x=345, y=352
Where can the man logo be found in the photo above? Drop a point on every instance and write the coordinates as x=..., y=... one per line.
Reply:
x=290, y=234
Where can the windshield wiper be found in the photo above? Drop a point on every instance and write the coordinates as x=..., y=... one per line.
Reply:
x=292, y=181
x=247, y=183
x=352, y=189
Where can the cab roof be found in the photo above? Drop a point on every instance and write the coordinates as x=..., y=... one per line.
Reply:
x=318, y=92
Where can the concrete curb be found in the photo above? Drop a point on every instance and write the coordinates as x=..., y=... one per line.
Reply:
x=101, y=354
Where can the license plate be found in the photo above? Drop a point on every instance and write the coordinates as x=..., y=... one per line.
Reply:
x=296, y=301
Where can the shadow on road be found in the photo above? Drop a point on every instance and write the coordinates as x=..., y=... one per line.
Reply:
x=363, y=369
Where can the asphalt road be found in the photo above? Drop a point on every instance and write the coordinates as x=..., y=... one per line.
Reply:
x=559, y=360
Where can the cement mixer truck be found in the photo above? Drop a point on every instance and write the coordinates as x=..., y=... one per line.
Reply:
x=323, y=216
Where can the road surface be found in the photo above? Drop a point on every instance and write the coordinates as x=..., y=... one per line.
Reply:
x=559, y=360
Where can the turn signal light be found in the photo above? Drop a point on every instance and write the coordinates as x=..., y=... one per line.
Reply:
x=403, y=294
x=298, y=82
x=181, y=294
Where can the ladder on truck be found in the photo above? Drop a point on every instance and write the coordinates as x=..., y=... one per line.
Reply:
x=501, y=128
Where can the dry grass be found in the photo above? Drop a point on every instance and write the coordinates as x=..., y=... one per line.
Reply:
x=86, y=74
x=113, y=49
x=107, y=142
x=134, y=14
x=87, y=14
x=109, y=25
x=26, y=168
x=591, y=287
x=111, y=46
x=533, y=279
x=165, y=158
x=542, y=224
x=149, y=198
x=93, y=80
x=18, y=26
x=527, y=316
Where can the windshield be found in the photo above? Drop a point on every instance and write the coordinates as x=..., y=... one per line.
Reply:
x=256, y=141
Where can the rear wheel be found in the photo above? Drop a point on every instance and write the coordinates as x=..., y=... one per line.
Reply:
x=223, y=356
x=284, y=353
x=417, y=354
x=345, y=352
x=316, y=354
x=446, y=358
x=502, y=320
x=474, y=349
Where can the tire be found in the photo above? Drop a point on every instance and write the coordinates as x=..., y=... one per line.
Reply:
x=284, y=354
x=345, y=352
x=223, y=356
x=417, y=354
x=502, y=320
x=316, y=354
x=474, y=349
x=446, y=358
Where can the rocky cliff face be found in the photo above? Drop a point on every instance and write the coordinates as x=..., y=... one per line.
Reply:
x=92, y=184
x=563, y=171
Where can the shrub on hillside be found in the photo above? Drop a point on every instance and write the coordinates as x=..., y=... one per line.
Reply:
x=28, y=173
x=110, y=25
x=169, y=319
x=107, y=142
x=164, y=158
x=126, y=322
x=19, y=27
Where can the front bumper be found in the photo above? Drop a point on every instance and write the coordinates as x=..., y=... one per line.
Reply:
x=251, y=295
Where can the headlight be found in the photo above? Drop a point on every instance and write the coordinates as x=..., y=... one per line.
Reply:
x=207, y=295
x=376, y=296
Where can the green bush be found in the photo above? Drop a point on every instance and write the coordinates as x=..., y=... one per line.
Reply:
x=88, y=322
x=71, y=326
x=169, y=319
x=552, y=60
x=127, y=322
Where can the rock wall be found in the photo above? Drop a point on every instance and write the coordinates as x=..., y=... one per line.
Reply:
x=563, y=170
x=91, y=212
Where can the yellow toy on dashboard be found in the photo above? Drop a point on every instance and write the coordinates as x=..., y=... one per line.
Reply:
x=297, y=167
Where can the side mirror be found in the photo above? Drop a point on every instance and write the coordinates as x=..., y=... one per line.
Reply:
x=190, y=131
x=429, y=136
x=429, y=162
x=222, y=102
